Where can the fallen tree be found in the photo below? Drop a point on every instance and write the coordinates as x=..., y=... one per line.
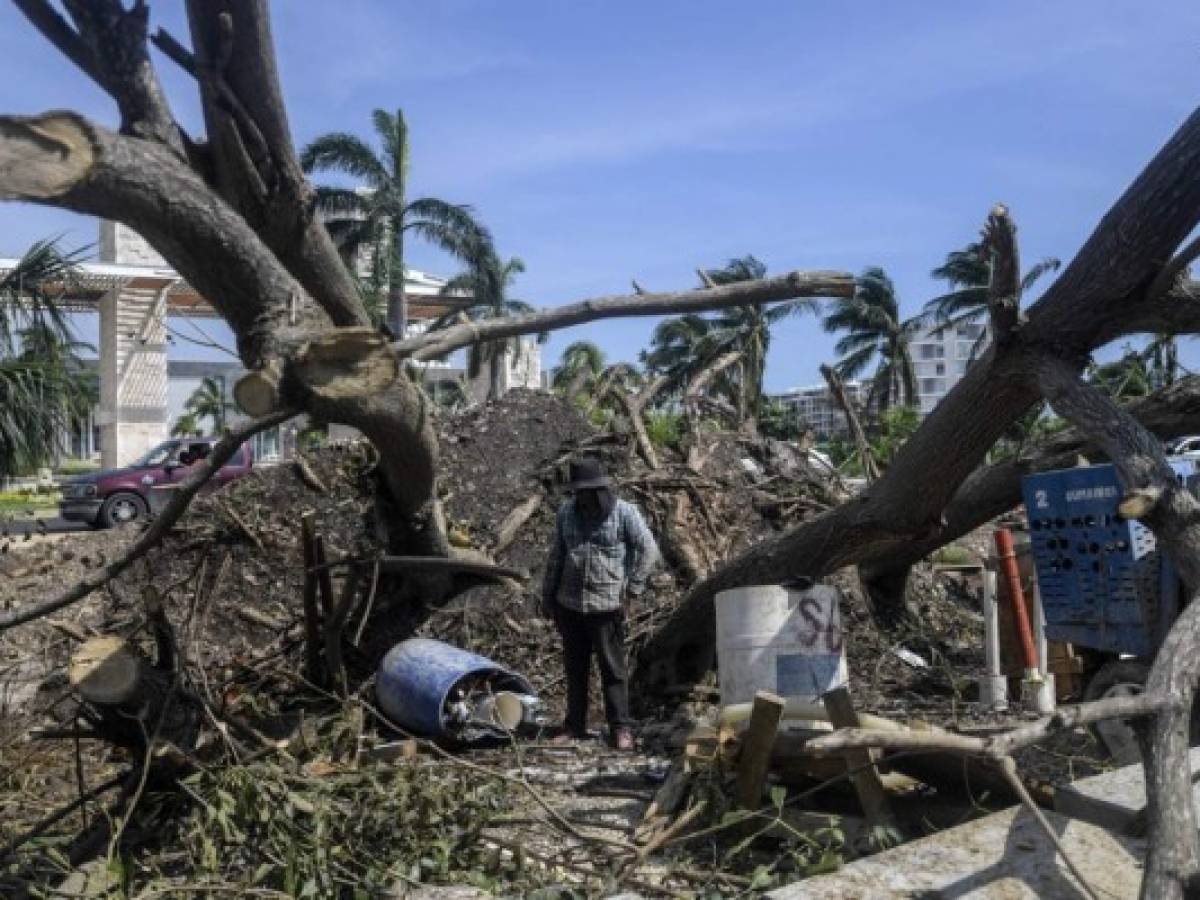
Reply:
x=235, y=216
x=1113, y=287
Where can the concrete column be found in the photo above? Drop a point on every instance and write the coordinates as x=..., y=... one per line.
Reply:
x=133, y=371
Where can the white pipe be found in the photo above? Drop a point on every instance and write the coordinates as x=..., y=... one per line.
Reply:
x=993, y=688
x=1044, y=699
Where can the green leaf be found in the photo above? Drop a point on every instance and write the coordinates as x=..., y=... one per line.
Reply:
x=778, y=796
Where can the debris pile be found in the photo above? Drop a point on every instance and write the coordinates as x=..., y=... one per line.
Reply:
x=230, y=578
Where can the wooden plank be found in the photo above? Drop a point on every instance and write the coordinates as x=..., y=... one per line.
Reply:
x=757, y=742
x=861, y=763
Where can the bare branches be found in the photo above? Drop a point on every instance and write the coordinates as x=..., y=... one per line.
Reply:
x=108, y=44
x=59, y=32
x=784, y=287
x=222, y=452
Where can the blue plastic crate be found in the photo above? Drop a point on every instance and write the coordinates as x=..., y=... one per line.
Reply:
x=1104, y=584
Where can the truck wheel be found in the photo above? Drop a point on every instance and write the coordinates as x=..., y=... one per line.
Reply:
x=1117, y=678
x=121, y=509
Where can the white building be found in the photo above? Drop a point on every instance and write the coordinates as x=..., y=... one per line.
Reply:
x=940, y=358
x=134, y=291
x=816, y=406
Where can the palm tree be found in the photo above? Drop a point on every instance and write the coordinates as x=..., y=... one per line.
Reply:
x=724, y=354
x=875, y=332
x=42, y=387
x=968, y=273
x=1126, y=377
x=208, y=402
x=186, y=425
x=487, y=282
x=748, y=328
x=581, y=364
x=681, y=347
x=377, y=218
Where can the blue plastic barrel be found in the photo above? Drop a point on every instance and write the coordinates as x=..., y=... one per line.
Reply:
x=416, y=678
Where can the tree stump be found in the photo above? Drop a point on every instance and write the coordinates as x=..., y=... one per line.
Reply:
x=131, y=700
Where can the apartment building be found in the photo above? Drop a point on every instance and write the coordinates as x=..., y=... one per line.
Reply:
x=816, y=406
x=940, y=358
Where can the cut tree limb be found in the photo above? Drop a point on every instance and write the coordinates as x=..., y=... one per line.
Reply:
x=515, y=521
x=1004, y=291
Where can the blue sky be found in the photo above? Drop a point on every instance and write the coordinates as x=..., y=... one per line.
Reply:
x=604, y=141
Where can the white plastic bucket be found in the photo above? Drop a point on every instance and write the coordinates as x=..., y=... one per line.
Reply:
x=783, y=640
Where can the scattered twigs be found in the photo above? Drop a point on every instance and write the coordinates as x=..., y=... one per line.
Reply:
x=222, y=452
x=58, y=815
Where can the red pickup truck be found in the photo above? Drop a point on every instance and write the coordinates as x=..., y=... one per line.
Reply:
x=116, y=496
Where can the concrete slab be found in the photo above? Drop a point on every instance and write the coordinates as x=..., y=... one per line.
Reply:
x=1004, y=856
x=1113, y=799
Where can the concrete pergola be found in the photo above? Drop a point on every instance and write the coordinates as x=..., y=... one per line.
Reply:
x=134, y=290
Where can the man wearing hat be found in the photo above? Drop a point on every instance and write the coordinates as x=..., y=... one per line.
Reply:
x=602, y=554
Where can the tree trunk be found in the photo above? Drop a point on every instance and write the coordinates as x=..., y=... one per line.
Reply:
x=132, y=700
x=397, y=284
x=838, y=390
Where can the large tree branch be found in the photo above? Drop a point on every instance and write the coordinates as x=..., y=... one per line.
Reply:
x=1091, y=302
x=992, y=490
x=222, y=452
x=255, y=164
x=435, y=344
x=1152, y=492
x=1172, y=271
x=1175, y=312
x=116, y=38
x=61, y=159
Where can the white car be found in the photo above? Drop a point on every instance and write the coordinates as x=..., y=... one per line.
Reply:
x=1188, y=447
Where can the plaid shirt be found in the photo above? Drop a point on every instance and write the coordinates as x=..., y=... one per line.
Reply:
x=591, y=562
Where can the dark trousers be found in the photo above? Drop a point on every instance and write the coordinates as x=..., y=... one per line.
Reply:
x=603, y=634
